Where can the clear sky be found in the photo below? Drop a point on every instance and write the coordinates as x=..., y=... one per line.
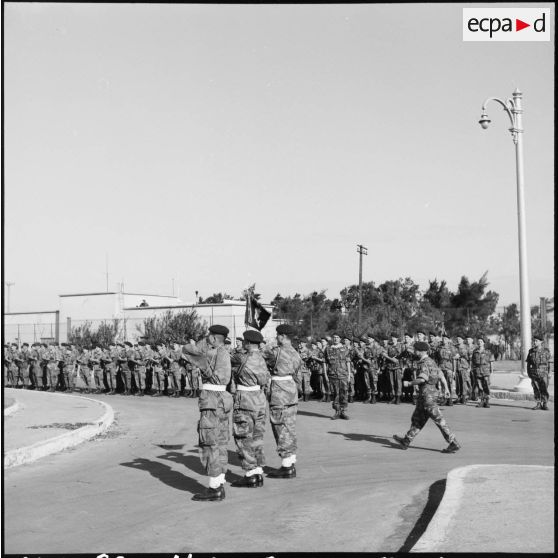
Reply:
x=225, y=145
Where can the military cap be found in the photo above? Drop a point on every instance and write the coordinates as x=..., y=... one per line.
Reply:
x=421, y=331
x=227, y=341
x=364, y=338
x=25, y=344
x=128, y=343
x=141, y=343
x=539, y=337
x=407, y=334
x=285, y=329
x=14, y=344
x=219, y=330
x=394, y=334
x=252, y=336
x=421, y=346
x=446, y=334
x=433, y=333
x=239, y=339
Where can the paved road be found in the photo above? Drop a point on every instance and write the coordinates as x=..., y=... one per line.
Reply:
x=130, y=490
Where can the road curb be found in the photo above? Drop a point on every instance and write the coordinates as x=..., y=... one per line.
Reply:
x=437, y=531
x=13, y=408
x=61, y=442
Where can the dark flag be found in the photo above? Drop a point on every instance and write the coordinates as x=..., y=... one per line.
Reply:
x=256, y=315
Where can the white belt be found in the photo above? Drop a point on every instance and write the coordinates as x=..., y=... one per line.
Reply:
x=281, y=378
x=248, y=388
x=214, y=387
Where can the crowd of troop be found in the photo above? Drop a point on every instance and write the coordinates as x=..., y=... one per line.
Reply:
x=375, y=369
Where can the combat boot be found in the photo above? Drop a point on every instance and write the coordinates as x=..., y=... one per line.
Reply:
x=403, y=442
x=306, y=397
x=397, y=400
x=486, y=404
x=327, y=398
x=544, y=406
x=283, y=473
x=247, y=482
x=452, y=448
x=187, y=393
x=335, y=416
x=449, y=402
x=323, y=399
x=343, y=415
x=373, y=400
x=537, y=406
x=350, y=398
x=211, y=495
x=368, y=399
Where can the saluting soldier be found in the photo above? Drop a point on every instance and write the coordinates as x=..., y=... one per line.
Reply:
x=284, y=363
x=428, y=376
x=482, y=369
x=250, y=408
x=538, y=369
x=215, y=404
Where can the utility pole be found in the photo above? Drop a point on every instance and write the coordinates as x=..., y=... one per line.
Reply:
x=8, y=284
x=362, y=250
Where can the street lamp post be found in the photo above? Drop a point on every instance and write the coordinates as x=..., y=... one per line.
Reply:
x=514, y=110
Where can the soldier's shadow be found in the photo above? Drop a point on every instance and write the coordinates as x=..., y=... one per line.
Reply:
x=382, y=440
x=309, y=414
x=166, y=474
x=193, y=462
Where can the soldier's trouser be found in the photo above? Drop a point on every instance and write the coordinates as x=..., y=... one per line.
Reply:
x=213, y=430
x=395, y=381
x=52, y=374
x=69, y=378
x=384, y=384
x=371, y=382
x=450, y=379
x=463, y=383
x=10, y=373
x=126, y=377
x=351, y=385
x=283, y=425
x=306, y=388
x=409, y=374
x=139, y=377
x=323, y=382
x=110, y=376
x=539, y=381
x=339, y=393
x=174, y=380
x=187, y=377
x=423, y=412
x=483, y=386
x=248, y=432
x=97, y=377
x=195, y=379
x=157, y=379
x=84, y=373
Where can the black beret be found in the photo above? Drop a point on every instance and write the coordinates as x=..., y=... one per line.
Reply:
x=539, y=337
x=239, y=339
x=128, y=343
x=253, y=336
x=219, y=330
x=421, y=346
x=407, y=334
x=446, y=335
x=285, y=329
x=394, y=334
x=141, y=343
x=25, y=344
x=227, y=341
x=433, y=333
x=421, y=331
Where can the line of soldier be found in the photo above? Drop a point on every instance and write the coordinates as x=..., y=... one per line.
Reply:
x=376, y=368
x=379, y=366
x=127, y=368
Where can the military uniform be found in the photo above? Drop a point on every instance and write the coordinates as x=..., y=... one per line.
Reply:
x=445, y=360
x=125, y=354
x=426, y=406
x=462, y=373
x=250, y=410
x=215, y=405
x=538, y=369
x=305, y=374
x=96, y=369
x=319, y=368
x=337, y=358
x=285, y=364
x=68, y=373
x=408, y=368
x=370, y=371
x=395, y=372
x=9, y=365
x=482, y=368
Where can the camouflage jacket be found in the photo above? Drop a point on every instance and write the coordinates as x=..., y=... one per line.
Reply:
x=338, y=359
x=284, y=361
x=481, y=360
x=429, y=371
x=538, y=360
x=250, y=369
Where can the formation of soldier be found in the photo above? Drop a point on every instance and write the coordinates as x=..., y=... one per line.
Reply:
x=335, y=369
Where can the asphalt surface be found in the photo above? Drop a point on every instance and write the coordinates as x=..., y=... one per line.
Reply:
x=130, y=488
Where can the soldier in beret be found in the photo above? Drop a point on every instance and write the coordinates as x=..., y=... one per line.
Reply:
x=284, y=363
x=305, y=373
x=462, y=371
x=250, y=408
x=538, y=369
x=215, y=404
x=338, y=358
x=428, y=375
x=482, y=369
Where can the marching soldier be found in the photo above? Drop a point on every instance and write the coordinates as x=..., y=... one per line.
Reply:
x=338, y=362
x=538, y=369
x=428, y=375
x=215, y=404
x=284, y=364
x=250, y=409
x=482, y=369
